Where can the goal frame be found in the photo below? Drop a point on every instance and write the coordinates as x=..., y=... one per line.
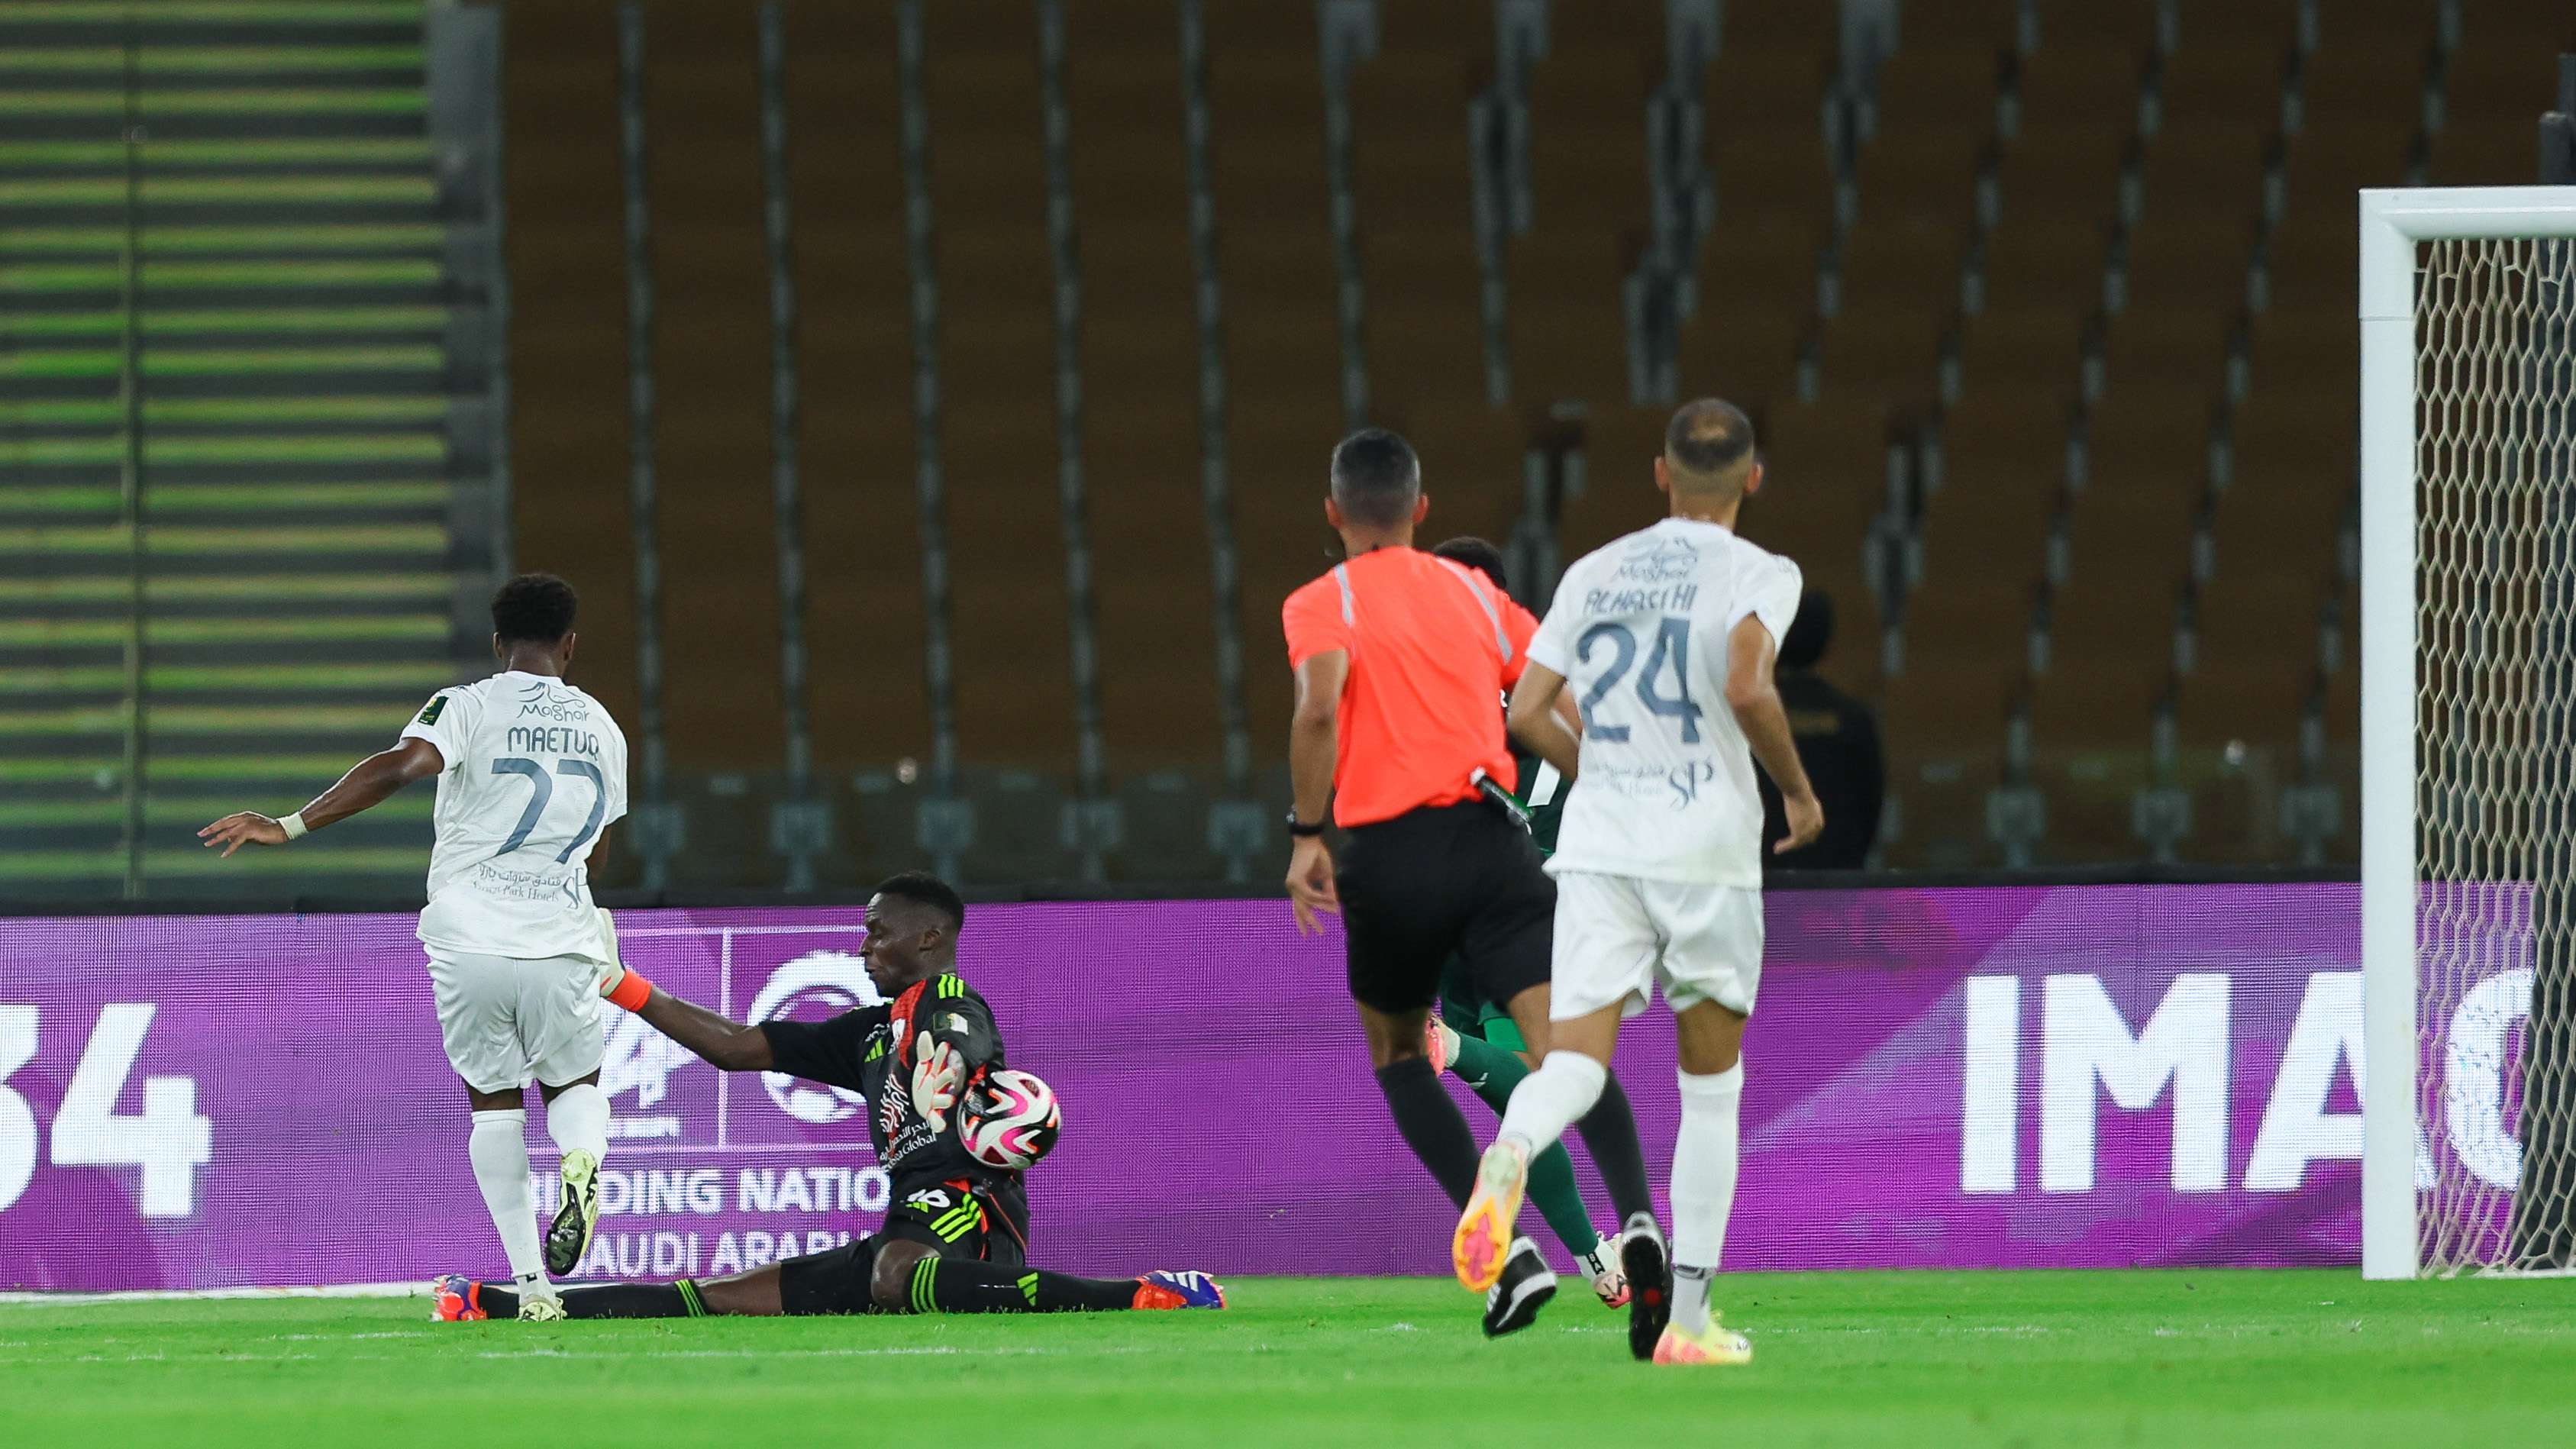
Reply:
x=2393, y=221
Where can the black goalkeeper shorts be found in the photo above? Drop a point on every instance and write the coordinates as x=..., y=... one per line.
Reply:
x=955, y=1219
x=1438, y=881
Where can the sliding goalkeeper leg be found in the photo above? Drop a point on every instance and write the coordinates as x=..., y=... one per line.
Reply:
x=942, y=1250
x=917, y=1281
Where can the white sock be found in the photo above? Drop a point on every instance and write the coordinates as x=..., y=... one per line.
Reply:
x=578, y=1120
x=1704, y=1161
x=1548, y=1100
x=500, y=1151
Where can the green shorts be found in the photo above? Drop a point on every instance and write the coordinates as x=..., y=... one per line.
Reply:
x=1469, y=1014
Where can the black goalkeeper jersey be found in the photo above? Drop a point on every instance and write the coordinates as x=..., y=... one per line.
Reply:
x=871, y=1051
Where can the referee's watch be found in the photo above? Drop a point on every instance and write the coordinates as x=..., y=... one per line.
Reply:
x=1302, y=830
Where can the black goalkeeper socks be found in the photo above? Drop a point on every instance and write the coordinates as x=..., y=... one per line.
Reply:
x=1437, y=1131
x=964, y=1285
x=1610, y=1133
x=608, y=1300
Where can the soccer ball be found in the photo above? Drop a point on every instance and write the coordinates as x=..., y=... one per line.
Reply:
x=1010, y=1120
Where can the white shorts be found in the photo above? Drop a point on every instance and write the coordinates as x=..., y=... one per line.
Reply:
x=1617, y=937
x=506, y=1020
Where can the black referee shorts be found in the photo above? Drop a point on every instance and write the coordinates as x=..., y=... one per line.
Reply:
x=1438, y=880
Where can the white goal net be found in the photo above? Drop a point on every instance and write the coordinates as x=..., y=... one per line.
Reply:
x=2491, y=847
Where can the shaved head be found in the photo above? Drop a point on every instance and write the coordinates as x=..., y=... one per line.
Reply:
x=1376, y=478
x=1708, y=449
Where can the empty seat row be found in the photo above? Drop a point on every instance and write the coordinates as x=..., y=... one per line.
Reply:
x=2086, y=267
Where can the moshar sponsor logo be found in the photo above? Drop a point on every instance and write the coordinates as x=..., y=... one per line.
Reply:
x=546, y=701
x=1660, y=561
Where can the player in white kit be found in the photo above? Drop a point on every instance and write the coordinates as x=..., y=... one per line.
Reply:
x=1667, y=637
x=530, y=772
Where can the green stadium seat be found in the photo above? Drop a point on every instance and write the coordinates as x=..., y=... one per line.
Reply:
x=279, y=589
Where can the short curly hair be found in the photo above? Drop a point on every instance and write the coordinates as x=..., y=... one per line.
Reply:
x=923, y=888
x=534, y=609
x=1477, y=554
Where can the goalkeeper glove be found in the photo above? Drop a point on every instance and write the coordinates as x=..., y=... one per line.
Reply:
x=626, y=988
x=938, y=1076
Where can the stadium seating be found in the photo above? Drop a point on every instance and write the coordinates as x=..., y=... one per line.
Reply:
x=1141, y=393
x=2057, y=292
x=1418, y=261
x=864, y=618
x=2044, y=312
x=1768, y=153
x=1283, y=353
x=224, y=583
x=1587, y=103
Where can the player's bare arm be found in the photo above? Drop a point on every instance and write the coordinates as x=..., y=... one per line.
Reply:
x=1538, y=719
x=1755, y=698
x=368, y=784
x=1314, y=738
x=722, y=1042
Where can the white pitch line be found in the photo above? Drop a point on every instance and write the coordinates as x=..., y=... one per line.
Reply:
x=327, y=1337
x=409, y=1289
x=899, y=1351
x=604, y=1354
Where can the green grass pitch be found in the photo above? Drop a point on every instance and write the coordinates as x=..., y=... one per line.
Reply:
x=2147, y=1358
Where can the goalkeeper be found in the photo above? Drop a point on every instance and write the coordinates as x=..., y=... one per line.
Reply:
x=956, y=1237
x=1476, y=1039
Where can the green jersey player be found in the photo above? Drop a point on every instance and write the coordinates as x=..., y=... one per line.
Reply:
x=1475, y=1038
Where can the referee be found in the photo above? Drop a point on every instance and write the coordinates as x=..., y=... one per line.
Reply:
x=1400, y=659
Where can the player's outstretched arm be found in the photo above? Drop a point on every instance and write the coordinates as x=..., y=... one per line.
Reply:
x=1539, y=724
x=1754, y=696
x=727, y=1044
x=368, y=784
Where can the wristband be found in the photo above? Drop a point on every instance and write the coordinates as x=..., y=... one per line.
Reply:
x=294, y=826
x=1303, y=830
x=631, y=990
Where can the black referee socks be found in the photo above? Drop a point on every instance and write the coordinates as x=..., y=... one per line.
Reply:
x=1610, y=1134
x=1434, y=1127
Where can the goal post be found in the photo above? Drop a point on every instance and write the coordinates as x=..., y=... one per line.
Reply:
x=2468, y=733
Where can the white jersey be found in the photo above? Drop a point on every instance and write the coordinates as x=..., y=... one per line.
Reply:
x=1639, y=630
x=535, y=769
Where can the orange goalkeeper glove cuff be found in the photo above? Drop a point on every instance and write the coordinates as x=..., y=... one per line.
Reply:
x=631, y=990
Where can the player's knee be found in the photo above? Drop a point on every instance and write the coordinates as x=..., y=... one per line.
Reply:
x=890, y=1281
x=1709, y=1037
x=1384, y=1054
x=1708, y=1061
x=1394, y=1036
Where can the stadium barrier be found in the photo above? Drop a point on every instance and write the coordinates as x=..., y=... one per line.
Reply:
x=1957, y=1078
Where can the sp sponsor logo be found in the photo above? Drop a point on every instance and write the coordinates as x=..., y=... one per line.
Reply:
x=1686, y=780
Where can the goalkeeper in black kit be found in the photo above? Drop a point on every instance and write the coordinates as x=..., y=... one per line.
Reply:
x=955, y=1238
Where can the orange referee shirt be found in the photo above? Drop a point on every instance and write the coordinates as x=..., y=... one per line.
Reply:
x=1433, y=646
